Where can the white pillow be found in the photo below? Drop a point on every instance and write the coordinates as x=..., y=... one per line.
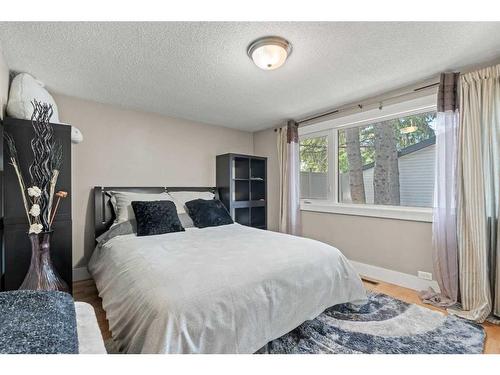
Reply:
x=122, y=203
x=181, y=197
x=23, y=89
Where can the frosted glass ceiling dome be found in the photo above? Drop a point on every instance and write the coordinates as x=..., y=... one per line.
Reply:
x=270, y=52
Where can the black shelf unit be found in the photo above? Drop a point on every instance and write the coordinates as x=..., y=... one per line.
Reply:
x=15, y=251
x=242, y=184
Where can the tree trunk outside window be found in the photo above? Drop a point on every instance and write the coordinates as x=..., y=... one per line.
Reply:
x=386, y=171
x=355, y=162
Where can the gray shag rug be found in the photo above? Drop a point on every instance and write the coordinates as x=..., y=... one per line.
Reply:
x=384, y=325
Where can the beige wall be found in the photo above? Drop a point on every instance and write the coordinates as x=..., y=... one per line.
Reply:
x=399, y=245
x=4, y=84
x=130, y=148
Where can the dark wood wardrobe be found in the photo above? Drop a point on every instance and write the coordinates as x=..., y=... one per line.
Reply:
x=242, y=184
x=16, y=250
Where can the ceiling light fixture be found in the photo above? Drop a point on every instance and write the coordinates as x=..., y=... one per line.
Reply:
x=269, y=52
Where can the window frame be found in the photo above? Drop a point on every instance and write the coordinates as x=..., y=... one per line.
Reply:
x=331, y=128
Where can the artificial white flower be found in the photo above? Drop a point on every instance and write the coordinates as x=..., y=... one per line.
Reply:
x=36, y=228
x=35, y=210
x=34, y=191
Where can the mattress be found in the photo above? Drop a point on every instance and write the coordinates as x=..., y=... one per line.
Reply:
x=226, y=289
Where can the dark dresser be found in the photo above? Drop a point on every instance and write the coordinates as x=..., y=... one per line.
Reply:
x=242, y=185
x=16, y=250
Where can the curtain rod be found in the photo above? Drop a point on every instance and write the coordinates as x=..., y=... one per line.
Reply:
x=374, y=101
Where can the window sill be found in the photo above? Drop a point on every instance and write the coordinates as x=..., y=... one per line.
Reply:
x=422, y=214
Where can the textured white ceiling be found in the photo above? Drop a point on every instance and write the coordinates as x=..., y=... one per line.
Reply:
x=200, y=71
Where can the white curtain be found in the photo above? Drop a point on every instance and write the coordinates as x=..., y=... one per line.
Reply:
x=478, y=193
x=444, y=227
x=289, y=183
x=444, y=223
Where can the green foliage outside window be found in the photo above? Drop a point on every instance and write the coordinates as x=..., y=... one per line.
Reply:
x=314, y=155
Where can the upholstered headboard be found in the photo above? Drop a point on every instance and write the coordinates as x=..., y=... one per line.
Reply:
x=104, y=214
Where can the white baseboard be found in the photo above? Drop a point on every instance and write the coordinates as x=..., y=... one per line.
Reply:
x=80, y=274
x=394, y=277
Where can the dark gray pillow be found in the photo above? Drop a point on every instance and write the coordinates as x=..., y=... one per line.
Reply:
x=127, y=227
x=156, y=217
x=208, y=213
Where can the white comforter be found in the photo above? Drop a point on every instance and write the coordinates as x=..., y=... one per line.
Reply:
x=226, y=289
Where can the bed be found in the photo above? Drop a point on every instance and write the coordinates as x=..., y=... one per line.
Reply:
x=225, y=289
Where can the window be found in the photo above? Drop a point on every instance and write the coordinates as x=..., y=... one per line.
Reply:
x=383, y=164
x=389, y=162
x=314, y=176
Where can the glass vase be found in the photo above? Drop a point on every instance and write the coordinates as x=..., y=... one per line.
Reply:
x=42, y=275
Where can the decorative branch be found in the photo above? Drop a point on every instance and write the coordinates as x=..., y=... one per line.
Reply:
x=44, y=170
x=55, y=165
x=53, y=182
x=60, y=195
x=57, y=156
x=14, y=161
x=44, y=151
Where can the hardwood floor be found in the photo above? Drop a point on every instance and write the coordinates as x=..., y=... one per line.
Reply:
x=86, y=291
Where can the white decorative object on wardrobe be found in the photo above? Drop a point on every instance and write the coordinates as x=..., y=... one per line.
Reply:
x=76, y=135
x=23, y=90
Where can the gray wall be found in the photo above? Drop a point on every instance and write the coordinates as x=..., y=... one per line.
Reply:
x=4, y=84
x=131, y=148
x=399, y=245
